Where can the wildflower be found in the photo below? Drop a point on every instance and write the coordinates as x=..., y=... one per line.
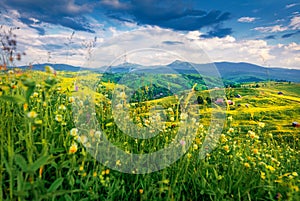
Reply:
x=255, y=151
x=62, y=107
x=44, y=104
x=81, y=168
x=295, y=188
x=35, y=95
x=251, y=134
x=189, y=155
x=295, y=174
x=261, y=124
x=32, y=114
x=71, y=99
x=38, y=121
x=230, y=118
x=107, y=171
x=25, y=106
x=41, y=171
x=262, y=175
x=74, y=132
x=118, y=162
x=141, y=191
x=119, y=106
x=195, y=146
x=95, y=174
x=122, y=95
x=231, y=130
x=198, y=140
x=271, y=168
x=226, y=148
x=103, y=172
x=83, y=139
x=73, y=148
x=171, y=118
x=223, y=138
x=98, y=134
x=58, y=118
x=84, y=174
x=247, y=165
x=182, y=142
x=183, y=116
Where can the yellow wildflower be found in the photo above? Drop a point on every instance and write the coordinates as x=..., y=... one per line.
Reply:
x=261, y=124
x=262, y=175
x=74, y=132
x=32, y=114
x=226, y=148
x=295, y=188
x=58, y=118
x=247, y=165
x=255, y=151
x=25, y=106
x=73, y=148
x=118, y=162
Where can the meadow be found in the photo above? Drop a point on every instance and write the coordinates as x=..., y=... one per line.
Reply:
x=44, y=153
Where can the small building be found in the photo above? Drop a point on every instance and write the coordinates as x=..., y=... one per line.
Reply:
x=296, y=124
x=230, y=102
x=219, y=101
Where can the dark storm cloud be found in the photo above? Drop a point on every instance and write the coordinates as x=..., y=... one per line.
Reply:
x=218, y=32
x=290, y=34
x=67, y=13
x=173, y=14
x=178, y=15
x=271, y=37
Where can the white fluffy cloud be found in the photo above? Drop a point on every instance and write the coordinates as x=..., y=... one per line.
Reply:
x=295, y=23
x=271, y=29
x=196, y=49
x=247, y=19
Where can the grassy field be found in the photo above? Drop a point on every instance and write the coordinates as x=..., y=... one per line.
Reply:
x=44, y=154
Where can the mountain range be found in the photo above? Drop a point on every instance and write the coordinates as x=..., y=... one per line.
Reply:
x=235, y=72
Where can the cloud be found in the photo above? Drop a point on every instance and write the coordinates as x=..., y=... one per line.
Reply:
x=270, y=37
x=170, y=14
x=61, y=12
x=271, y=29
x=247, y=19
x=142, y=47
x=295, y=23
x=167, y=42
x=290, y=34
x=291, y=5
x=218, y=32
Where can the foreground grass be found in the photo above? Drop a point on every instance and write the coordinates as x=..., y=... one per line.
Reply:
x=43, y=157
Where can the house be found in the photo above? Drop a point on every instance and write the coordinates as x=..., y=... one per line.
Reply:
x=219, y=101
x=230, y=102
x=296, y=124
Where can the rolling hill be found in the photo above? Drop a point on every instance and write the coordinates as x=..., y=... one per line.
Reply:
x=233, y=72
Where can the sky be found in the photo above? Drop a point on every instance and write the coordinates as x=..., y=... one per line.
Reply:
x=81, y=32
